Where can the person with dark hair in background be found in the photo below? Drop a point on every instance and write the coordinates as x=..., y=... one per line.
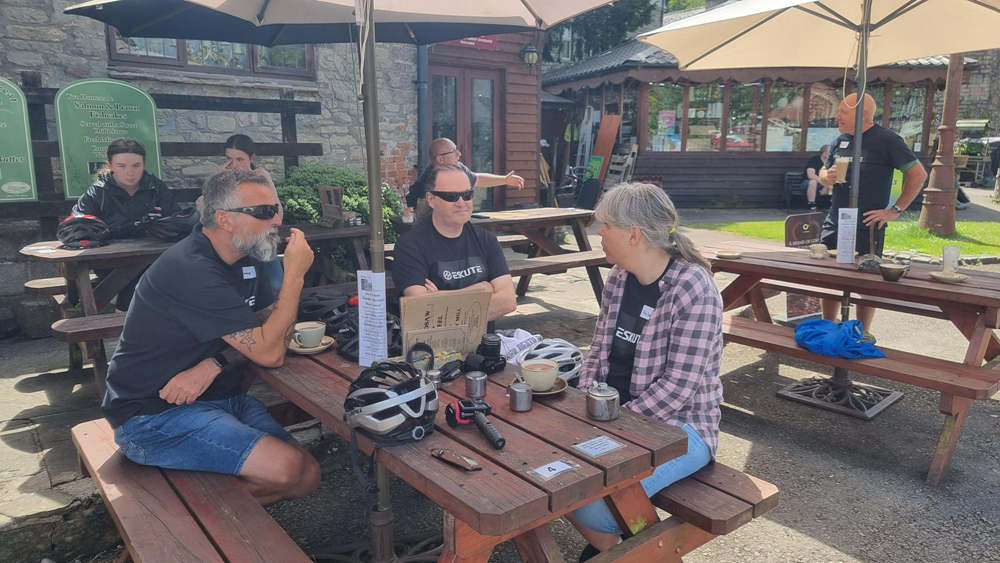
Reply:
x=241, y=155
x=810, y=178
x=123, y=196
x=658, y=338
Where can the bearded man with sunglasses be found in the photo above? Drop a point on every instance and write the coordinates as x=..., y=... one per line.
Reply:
x=174, y=394
x=448, y=253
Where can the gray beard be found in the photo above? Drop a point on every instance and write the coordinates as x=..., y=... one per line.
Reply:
x=263, y=248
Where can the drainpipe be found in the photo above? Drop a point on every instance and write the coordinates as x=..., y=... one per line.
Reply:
x=423, y=107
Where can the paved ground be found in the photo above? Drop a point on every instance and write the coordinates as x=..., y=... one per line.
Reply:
x=850, y=490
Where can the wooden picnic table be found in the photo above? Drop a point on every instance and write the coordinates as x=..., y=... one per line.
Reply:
x=127, y=258
x=535, y=224
x=972, y=306
x=516, y=495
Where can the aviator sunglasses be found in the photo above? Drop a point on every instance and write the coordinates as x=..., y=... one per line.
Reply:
x=264, y=211
x=452, y=197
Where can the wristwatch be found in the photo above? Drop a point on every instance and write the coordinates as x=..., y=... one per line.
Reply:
x=220, y=360
x=896, y=209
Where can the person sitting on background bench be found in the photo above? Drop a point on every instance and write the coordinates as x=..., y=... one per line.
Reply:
x=444, y=152
x=240, y=155
x=174, y=392
x=658, y=338
x=123, y=196
x=810, y=178
x=448, y=253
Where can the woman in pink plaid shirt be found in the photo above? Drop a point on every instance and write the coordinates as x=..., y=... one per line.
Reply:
x=658, y=339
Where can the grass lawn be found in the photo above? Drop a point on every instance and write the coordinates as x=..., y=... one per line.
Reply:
x=975, y=237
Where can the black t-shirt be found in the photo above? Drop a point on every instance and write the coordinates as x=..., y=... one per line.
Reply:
x=815, y=163
x=419, y=188
x=882, y=152
x=185, y=302
x=451, y=263
x=638, y=303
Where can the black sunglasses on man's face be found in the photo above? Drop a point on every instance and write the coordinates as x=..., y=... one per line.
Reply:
x=452, y=197
x=264, y=211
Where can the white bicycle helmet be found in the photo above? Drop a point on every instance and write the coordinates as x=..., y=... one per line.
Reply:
x=562, y=352
x=392, y=403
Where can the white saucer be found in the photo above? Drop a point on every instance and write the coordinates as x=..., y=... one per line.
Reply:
x=558, y=387
x=324, y=344
x=948, y=278
x=729, y=254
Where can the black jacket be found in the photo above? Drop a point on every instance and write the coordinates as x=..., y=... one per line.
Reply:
x=112, y=204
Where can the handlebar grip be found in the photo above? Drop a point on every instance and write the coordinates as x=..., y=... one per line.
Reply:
x=492, y=434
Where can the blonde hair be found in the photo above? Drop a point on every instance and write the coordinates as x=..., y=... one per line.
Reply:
x=649, y=208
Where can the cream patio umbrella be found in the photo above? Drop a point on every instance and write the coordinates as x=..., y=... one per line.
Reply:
x=839, y=33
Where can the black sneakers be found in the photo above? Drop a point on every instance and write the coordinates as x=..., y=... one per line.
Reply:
x=588, y=552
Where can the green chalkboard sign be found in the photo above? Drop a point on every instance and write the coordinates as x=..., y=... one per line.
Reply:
x=92, y=113
x=17, y=168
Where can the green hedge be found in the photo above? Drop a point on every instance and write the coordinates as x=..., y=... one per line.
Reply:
x=298, y=195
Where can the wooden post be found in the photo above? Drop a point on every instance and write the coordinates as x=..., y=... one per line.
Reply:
x=289, y=133
x=724, y=124
x=887, y=107
x=806, y=96
x=642, y=117
x=684, y=122
x=925, y=132
x=766, y=102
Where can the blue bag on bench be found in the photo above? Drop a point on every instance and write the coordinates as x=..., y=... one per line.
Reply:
x=838, y=340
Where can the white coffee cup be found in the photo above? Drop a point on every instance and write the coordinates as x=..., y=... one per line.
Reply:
x=817, y=251
x=540, y=373
x=309, y=334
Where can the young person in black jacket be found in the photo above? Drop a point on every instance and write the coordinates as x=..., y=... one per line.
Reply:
x=123, y=196
x=127, y=193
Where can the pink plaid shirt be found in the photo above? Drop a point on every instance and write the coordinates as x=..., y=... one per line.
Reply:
x=675, y=377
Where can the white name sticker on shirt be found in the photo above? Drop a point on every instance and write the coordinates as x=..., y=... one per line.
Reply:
x=249, y=272
x=599, y=446
x=647, y=312
x=845, y=144
x=550, y=470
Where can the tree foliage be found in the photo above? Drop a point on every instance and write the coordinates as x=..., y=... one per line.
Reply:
x=599, y=30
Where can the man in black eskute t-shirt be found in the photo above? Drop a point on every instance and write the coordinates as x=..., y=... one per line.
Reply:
x=882, y=152
x=173, y=386
x=447, y=253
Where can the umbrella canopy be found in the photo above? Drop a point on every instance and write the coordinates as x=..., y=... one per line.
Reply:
x=281, y=22
x=790, y=33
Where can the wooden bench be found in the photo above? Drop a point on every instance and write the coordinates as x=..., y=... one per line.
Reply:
x=865, y=300
x=171, y=515
x=49, y=286
x=714, y=501
x=959, y=384
x=92, y=330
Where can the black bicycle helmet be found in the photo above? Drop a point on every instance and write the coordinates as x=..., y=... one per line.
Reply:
x=83, y=231
x=391, y=403
x=348, y=334
x=171, y=228
x=323, y=305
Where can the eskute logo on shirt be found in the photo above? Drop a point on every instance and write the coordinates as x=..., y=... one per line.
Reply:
x=462, y=273
x=627, y=335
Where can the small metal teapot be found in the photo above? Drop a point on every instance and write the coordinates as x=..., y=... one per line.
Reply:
x=602, y=402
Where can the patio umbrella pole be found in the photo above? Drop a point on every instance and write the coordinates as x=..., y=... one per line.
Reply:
x=839, y=393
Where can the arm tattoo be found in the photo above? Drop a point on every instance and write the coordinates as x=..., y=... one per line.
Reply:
x=265, y=313
x=245, y=337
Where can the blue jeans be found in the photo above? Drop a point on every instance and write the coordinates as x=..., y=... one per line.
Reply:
x=597, y=516
x=215, y=436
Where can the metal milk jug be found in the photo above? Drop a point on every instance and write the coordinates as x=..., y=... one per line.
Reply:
x=602, y=402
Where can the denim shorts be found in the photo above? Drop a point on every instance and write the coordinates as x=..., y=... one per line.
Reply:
x=215, y=436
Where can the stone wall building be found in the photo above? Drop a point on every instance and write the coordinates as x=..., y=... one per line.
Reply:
x=36, y=37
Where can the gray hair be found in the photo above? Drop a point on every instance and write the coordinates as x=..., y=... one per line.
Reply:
x=220, y=192
x=649, y=208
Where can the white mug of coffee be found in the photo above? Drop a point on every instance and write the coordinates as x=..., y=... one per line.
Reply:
x=309, y=334
x=540, y=373
x=817, y=251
